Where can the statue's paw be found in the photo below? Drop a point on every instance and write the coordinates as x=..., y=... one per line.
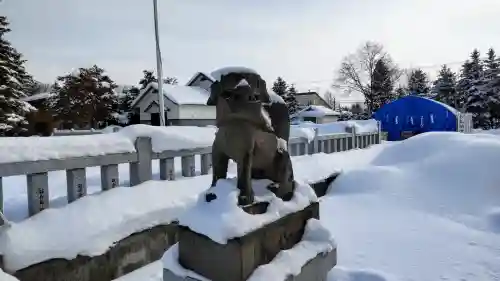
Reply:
x=209, y=197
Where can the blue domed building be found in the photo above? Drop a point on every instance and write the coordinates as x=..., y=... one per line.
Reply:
x=412, y=115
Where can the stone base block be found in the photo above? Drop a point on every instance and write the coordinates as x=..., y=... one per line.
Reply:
x=236, y=260
x=314, y=270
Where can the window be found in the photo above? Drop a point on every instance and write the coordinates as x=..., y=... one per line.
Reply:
x=310, y=119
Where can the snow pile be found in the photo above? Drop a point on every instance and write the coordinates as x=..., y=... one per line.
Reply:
x=222, y=219
x=18, y=149
x=491, y=132
x=433, y=198
x=7, y=277
x=316, y=240
x=307, y=129
x=171, y=137
x=92, y=224
x=343, y=274
x=426, y=208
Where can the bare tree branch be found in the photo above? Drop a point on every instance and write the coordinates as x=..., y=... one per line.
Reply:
x=330, y=99
x=357, y=70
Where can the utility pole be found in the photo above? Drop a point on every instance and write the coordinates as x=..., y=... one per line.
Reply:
x=159, y=66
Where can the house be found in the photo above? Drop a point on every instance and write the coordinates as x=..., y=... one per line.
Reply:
x=412, y=115
x=316, y=113
x=311, y=98
x=185, y=105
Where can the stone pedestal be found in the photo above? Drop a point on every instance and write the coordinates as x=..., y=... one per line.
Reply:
x=238, y=259
x=315, y=269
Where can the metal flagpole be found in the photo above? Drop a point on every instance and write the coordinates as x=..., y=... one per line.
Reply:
x=159, y=66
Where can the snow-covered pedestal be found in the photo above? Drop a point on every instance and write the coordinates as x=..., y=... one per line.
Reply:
x=269, y=240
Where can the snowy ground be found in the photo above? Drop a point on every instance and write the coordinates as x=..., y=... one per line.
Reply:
x=427, y=208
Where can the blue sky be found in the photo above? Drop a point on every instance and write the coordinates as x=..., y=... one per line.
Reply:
x=301, y=40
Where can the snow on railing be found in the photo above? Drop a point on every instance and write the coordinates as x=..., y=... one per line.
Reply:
x=140, y=159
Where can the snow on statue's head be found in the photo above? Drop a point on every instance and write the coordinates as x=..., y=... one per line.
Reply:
x=238, y=94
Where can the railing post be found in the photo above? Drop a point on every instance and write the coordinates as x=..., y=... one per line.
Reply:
x=141, y=170
x=303, y=147
x=167, y=169
x=109, y=177
x=206, y=163
x=188, y=167
x=354, y=138
x=313, y=147
x=76, y=184
x=38, y=192
x=379, y=136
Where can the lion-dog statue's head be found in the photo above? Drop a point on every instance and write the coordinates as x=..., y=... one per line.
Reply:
x=240, y=96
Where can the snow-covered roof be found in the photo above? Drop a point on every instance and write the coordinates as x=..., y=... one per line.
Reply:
x=217, y=74
x=316, y=111
x=450, y=108
x=178, y=94
x=196, y=76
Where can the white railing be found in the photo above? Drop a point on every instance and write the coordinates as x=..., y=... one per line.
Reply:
x=140, y=165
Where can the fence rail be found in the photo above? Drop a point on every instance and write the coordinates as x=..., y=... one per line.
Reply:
x=140, y=165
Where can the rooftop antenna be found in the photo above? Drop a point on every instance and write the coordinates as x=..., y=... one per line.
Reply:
x=159, y=69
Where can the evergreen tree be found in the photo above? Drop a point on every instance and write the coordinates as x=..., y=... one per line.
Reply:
x=291, y=100
x=14, y=82
x=418, y=83
x=150, y=77
x=463, y=85
x=382, y=85
x=280, y=87
x=170, y=81
x=492, y=87
x=126, y=100
x=471, y=85
x=85, y=98
x=400, y=92
x=444, y=89
x=491, y=65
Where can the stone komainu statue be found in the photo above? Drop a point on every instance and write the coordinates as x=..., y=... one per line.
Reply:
x=253, y=131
